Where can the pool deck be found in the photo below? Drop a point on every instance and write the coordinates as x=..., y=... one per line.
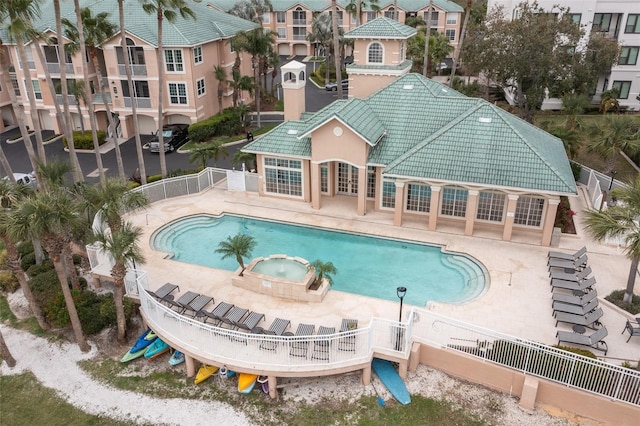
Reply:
x=517, y=301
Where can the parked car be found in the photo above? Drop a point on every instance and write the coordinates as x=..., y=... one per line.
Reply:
x=26, y=179
x=175, y=135
x=333, y=86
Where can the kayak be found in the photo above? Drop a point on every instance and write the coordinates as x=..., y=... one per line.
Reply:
x=140, y=346
x=264, y=381
x=205, y=372
x=176, y=358
x=157, y=348
x=246, y=382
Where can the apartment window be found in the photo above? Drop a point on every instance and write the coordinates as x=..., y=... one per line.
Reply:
x=299, y=33
x=633, y=24
x=266, y=18
x=418, y=198
x=602, y=22
x=324, y=178
x=529, y=211
x=283, y=176
x=281, y=17
x=434, y=17
x=173, y=60
x=371, y=182
x=623, y=87
x=490, y=206
x=390, y=13
x=371, y=16
x=340, y=16
x=141, y=89
x=353, y=18
x=30, y=62
x=200, y=87
x=388, y=194
x=16, y=86
x=628, y=55
x=375, y=53
x=575, y=18
x=452, y=18
x=178, y=93
x=197, y=55
x=299, y=17
x=450, y=34
x=454, y=202
x=36, y=89
x=282, y=32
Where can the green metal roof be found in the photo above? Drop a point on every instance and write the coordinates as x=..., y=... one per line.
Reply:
x=355, y=114
x=402, y=66
x=430, y=131
x=283, y=140
x=381, y=28
x=209, y=24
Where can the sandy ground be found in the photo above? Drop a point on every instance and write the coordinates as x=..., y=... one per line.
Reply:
x=55, y=366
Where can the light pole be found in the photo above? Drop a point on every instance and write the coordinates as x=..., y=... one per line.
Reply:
x=401, y=292
x=606, y=194
x=613, y=175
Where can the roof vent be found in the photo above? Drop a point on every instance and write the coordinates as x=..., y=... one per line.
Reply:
x=408, y=87
x=292, y=132
x=484, y=119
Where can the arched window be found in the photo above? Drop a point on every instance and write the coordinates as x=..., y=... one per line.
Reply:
x=375, y=53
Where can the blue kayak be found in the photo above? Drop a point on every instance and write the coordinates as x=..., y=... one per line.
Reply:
x=176, y=358
x=140, y=346
x=391, y=380
x=157, y=348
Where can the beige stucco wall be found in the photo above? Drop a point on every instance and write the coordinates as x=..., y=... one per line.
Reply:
x=348, y=147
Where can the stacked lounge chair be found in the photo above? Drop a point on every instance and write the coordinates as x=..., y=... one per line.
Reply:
x=574, y=300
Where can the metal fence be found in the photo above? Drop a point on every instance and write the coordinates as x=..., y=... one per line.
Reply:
x=569, y=369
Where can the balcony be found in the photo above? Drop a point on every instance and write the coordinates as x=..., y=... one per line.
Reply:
x=54, y=68
x=140, y=102
x=299, y=21
x=136, y=70
x=300, y=36
x=70, y=98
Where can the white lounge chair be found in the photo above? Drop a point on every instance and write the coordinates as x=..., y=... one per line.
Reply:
x=567, y=256
x=594, y=341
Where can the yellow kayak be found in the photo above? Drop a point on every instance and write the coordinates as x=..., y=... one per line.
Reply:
x=246, y=382
x=205, y=372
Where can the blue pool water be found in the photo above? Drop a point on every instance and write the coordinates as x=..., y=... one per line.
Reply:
x=369, y=266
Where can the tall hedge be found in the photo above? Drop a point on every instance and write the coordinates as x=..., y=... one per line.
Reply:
x=85, y=140
x=226, y=123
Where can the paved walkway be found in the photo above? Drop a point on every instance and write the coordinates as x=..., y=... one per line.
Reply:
x=517, y=301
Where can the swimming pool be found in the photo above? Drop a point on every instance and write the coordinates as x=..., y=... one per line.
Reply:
x=369, y=266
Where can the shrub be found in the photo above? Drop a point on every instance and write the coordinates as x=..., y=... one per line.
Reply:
x=25, y=248
x=225, y=123
x=616, y=298
x=85, y=140
x=576, y=169
x=8, y=282
x=27, y=261
x=34, y=270
x=154, y=178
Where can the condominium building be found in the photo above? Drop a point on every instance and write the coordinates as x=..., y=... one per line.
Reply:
x=618, y=19
x=291, y=20
x=191, y=47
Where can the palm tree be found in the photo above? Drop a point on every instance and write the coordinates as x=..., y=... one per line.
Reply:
x=203, y=153
x=240, y=83
x=4, y=162
x=221, y=77
x=97, y=29
x=87, y=89
x=258, y=43
x=355, y=8
x=322, y=271
x=609, y=101
x=574, y=104
x=113, y=199
x=5, y=353
x=616, y=133
x=17, y=109
x=336, y=45
x=321, y=33
x=274, y=64
x=9, y=195
x=123, y=247
x=251, y=10
x=246, y=158
x=53, y=217
x=68, y=129
x=76, y=89
x=164, y=9
x=132, y=93
x=463, y=31
x=240, y=245
x=620, y=220
x=20, y=14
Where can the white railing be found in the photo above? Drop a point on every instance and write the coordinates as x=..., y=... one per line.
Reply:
x=595, y=191
x=572, y=370
x=276, y=353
